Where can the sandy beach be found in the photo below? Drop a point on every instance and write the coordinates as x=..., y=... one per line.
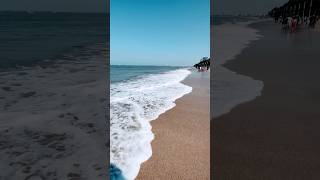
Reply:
x=181, y=148
x=276, y=135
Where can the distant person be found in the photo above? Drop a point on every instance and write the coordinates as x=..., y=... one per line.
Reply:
x=306, y=21
x=313, y=21
x=289, y=20
x=310, y=22
x=294, y=23
x=276, y=18
x=285, y=23
x=300, y=20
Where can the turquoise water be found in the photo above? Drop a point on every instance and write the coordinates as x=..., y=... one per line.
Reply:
x=126, y=72
x=115, y=173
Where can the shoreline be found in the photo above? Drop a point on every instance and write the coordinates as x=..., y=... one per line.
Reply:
x=272, y=137
x=131, y=137
x=229, y=88
x=182, y=136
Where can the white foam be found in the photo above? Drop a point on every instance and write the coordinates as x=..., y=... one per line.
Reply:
x=229, y=88
x=133, y=104
x=76, y=87
x=230, y=39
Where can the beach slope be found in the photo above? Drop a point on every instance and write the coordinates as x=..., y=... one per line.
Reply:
x=181, y=144
x=276, y=135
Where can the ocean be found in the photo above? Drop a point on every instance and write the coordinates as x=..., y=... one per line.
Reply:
x=53, y=85
x=223, y=19
x=31, y=38
x=126, y=72
x=138, y=95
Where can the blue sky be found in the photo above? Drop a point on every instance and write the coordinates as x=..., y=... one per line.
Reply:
x=159, y=32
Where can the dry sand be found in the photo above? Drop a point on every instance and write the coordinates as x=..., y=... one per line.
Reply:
x=181, y=149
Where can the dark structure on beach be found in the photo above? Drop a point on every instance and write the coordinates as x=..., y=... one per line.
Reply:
x=300, y=8
x=204, y=63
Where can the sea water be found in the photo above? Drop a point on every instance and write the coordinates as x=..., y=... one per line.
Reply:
x=223, y=19
x=138, y=95
x=54, y=64
x=33, y=38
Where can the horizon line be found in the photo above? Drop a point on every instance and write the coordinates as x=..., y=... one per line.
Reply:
x=145, y=65
x=50, y=11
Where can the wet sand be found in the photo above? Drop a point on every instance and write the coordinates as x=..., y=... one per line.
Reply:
x=276, y=135
x=228, y=88
x=181, y=144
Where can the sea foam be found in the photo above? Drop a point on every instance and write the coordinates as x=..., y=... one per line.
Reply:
x=229, y=88
x=133, y=104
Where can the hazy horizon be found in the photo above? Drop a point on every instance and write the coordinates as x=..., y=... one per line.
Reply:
x=81, y=6
x=43, y=11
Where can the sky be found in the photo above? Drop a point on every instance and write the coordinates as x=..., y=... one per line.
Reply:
x=159, y=32
x=56, y=5
x=235, y=7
